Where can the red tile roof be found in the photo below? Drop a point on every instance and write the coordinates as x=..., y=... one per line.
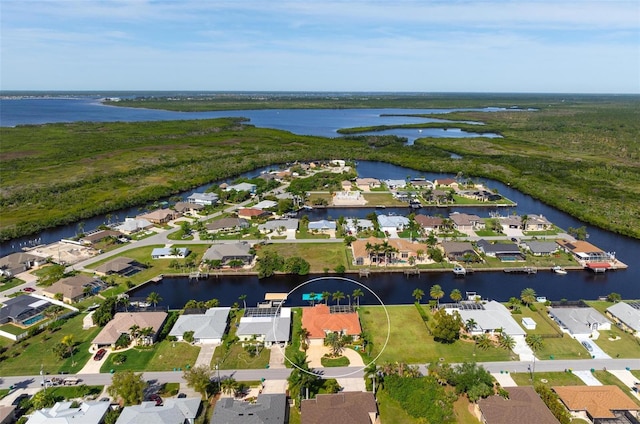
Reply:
x=318, y=321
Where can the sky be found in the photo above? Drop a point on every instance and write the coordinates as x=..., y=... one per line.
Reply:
x=554, y=46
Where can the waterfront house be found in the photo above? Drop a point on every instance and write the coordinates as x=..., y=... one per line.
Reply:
x=74, y=289
x=522, y=406
x=338, y=408
x=204, y=199
x=322, y=226
x=429, y=223
x=252, y=213
x=187, y=208
x=265, y=325
x=87, y=412
x=459, y=251
x=170, y=253
x=501, y=250
x=466, y=222
x=599, y=404
x=122, y=323
x=227, y=225
x=321, y=320
x=172, y=410
x=395, y=184
x=286, y=226
x=266, y=204
x=366, y=184
x=582, y=250
x=541, y=248
x=579, y=321
x=251, y=188
x=160, y=216
x=16, y=263
x=346, y=185
x=354, y=225
x=229, y=252
x=490, y=317
x=98, y=236
x=133, y=225
x=208, y=328
x=370, y=251
x=626, y=316
x=121, y=265
x=348, y=198
x=266, y=409
x=447, y=182
x=537, y=223
x=392, y=223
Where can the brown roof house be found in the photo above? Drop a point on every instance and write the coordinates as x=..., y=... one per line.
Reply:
x=74, y=288
x=602, y=403
x=160, y=216
x=466, y=222
x=120, y=265
x=403, y=251
x=429, y=223
x=18, y=262
x=523, y=406
x=459, y=250
x=340, y=408
x=321, y=320
x=122, y=323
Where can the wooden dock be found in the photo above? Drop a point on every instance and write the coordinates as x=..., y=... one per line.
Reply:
x=364, y=272
x=410, y=272
x=522, y=270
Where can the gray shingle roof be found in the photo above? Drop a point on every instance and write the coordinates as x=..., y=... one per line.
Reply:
x=268, y=409
x=577, y=320
x=265, y=325
x=627, y=314
x=211, y=325
x=173, y=411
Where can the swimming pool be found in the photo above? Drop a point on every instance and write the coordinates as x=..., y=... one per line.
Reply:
x=30, y=321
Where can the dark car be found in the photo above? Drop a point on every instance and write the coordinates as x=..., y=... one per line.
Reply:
x=99, y=355
x=29, y=289
x=155, y=398
x=181, y=395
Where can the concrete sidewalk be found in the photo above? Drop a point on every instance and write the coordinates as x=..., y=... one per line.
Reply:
x=205, y=356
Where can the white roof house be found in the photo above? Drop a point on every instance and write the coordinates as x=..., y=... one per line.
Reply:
x=270, y=329
x=393, y=184
x=251, y=188
x=392, y=221
x=488, y=316
x=362, y=224
x=265, y=204
x=167, y=253
x=208, y=327
x=63, y=413
x=579, y=321
x=172, y=411
x=626, y=314
x=322, y=225
x=274, y=225
x=205, y=199
x=131, y=225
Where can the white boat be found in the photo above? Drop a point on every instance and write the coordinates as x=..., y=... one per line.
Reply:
x=559, y=270
x=459, y=270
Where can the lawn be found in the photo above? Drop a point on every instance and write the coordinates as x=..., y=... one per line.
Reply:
x=319, y=255
x=544, y=324
x=391, y=412
x=615, y=342
x=551, y=378
x=235, y=356
x=382, y=199
x=461, y=409
x=294, y=346
x=611, y=380
x=10, y=283
x=163, y=356
x=26, y=357
x=410, y=341
x=341, y=361
x=565, y=347
x=75, y=392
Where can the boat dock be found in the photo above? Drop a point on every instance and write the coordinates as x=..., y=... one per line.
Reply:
x=522, y=270
x=410, y=272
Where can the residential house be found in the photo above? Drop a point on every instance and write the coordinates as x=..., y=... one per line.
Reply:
x=172, y=411
x=98, y=236
x=188, y=208
x=322, y=226
x=265, y=325
x=367, y=184
x=204, y=199
x=459, y=251
x=422, y=183
x=447, y=182
x=170, y=253
x=438, y=196
x=74, y=289
x=89, y=412
x=346, y=185
x=429, y=223
x=354, y=225
x=239, y=251
x=541, y=248
x=481, y=195
x=403, y=250
x=121, y=265
x=208, y=328
x=23, y=310
x=122, y=323
x=582, y=250
x=579, y=321
x=133, y=225
x=599, y=404
x=227, y=225
x=321, y=320
x=340, y=408
x=18, y=262
x=537, y=223
x=266, y=204
x=287, y=226
x=505, y=251
x=513, y=222
x=392, y=223
x=266, y=409
x=160, y=216
x=252, y=213
x=490, y=317
x=627, y=316
x=251, y=188
x=466, y=222
x=395, y=184
x=523, y=406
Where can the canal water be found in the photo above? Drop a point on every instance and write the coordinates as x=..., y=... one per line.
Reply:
x=393, y=288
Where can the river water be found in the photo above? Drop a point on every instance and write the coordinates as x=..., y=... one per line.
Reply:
x=392, y=288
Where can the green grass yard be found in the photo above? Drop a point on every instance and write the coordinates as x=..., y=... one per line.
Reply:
x=163, y=356
x=319, y=255
x=548, y=378
x=611, y=380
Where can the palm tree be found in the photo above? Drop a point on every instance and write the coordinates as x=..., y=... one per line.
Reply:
x=535, y=342
x=470, y=324
x=455, y=295
x=357, y=294
x=174, y=251
x=325, y=296
x=154, y=298
x=528, y=296
x=229, y=385
x=506, y=341
x=338, y=296
x=436, y=292
x=243, y=298
x=70, y=344
x=304, y=334
x=146, y=333
x=134, y=332
x=418, y=294
x=484, y=342
x=524, y=219
x=312, y=298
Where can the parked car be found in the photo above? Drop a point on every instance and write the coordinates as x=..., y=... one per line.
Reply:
x=181, y=395
x=587, y=346
x=99, y=355
x=29, y=289
x=156, y=398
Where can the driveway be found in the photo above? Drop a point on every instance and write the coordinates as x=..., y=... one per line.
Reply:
x=315, y=353
x=276, y=357
x=628, y=379
x=206, y=354
x=596, y=352
x=504, y=379
x=92, y=366
x=588, y=378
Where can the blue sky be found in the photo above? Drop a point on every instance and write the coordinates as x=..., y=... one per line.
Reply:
x=585, y=46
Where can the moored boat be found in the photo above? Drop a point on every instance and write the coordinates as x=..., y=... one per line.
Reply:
x=559, y=270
